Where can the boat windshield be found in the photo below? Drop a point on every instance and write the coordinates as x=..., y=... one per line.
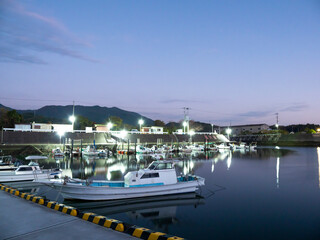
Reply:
x=160, y=166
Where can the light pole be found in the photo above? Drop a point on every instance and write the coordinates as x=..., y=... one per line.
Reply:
x=228, y=131
x=140, y=123
x=184, y=127
x=109, y=126
x=72, y=120
x=60, y=133
x=123, y=133
x=191, y=132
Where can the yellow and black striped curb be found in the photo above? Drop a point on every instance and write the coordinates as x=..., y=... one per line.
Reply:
x=145, y=233
x=133, y=230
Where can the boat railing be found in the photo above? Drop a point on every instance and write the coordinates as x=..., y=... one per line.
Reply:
x=35, y=176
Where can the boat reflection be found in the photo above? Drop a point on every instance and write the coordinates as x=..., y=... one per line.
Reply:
x=161, y=211
x=278, y=172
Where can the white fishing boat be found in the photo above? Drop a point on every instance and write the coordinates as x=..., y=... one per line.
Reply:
x=185, y=149
x=36, y=157
x=90, y=150
x=241, y=145
x=223, y=146
x=6, y=163
x=197, y=148
x=143, y=150
x=158, y=179
x=28, y=172
x=7, y=167
x=57, y=152
x=252, y=146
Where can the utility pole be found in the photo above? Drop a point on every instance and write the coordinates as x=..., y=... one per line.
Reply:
x=73, y=109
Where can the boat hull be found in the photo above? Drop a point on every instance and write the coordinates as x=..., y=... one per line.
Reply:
x=11, y=177
x=75, y=191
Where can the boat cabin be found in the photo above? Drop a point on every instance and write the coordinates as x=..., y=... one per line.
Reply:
x=158, y=173
x=26, y=169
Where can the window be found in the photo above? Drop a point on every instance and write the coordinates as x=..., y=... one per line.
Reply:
x=25, y=169
x=164, y=166
x=150, y=175
x=152, y=166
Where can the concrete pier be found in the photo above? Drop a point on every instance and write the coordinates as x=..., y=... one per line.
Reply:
x=21, y=219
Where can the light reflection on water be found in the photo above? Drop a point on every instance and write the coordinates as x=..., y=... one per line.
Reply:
x=318, y=151
x=240, y=191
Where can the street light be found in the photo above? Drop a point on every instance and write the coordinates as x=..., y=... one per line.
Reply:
x=140, y=123
x=109, y=126
x=72, y=119
x=123, y=133
x=191, y=133
x=60, y=133
x=184, y=126
x=228, y=131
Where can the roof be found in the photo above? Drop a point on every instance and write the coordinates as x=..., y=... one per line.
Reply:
x=247, y=125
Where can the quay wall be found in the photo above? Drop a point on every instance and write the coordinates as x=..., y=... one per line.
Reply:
x=100, y=138
x=299, y=139
x=20, y=137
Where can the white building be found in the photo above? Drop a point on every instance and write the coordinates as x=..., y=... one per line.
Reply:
x=239, y=129
x=22, y=127
x=52, y=127
x=153, y=129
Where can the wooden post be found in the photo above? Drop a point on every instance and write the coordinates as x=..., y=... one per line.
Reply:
x=81, y=148
x=71, y=149
x=128, y=145
x=2, y=136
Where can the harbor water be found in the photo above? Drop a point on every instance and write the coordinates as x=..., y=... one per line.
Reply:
x=267, y=193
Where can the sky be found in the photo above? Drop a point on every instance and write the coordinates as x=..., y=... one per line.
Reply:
x=229, y=62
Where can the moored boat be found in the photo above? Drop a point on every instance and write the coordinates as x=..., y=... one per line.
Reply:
x=57, y=152
x=28, y=172
x=90, y=150
x=158, y=179
x=35, y=157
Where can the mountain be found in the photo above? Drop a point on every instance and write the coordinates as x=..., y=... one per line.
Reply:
x=7, y=108
x=94, y=113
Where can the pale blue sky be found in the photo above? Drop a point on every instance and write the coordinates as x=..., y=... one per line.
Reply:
x=228, y=61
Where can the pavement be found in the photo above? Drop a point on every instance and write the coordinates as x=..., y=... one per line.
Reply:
x=21, y=219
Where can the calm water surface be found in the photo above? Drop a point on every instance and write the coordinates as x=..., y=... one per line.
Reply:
x=263, y=194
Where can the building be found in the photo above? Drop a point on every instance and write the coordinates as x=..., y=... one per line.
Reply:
x=48, y=127
x=101, y=127
x=153, y=129
x=241, y=129
x=22, y=127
